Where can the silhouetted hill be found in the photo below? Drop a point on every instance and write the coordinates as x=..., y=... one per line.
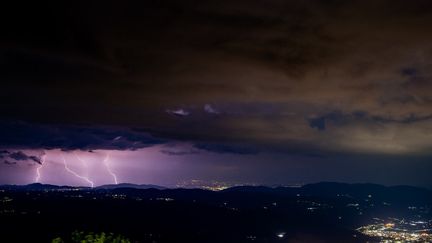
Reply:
x=36, y=187
x=367, y=190
x=360, y=191
x=129, y=185
x=249, y=189
x=401, y=194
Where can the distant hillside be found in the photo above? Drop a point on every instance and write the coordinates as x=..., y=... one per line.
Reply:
x=373, y=192
x=129, y=185
x=402, y=194
x=36, y=187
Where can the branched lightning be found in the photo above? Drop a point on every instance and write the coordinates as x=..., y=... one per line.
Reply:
x=38, y=172
x=105, y=161
x=76, y=174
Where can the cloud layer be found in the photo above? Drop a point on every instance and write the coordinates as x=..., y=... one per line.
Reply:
x=292, y=76
x=16, y=135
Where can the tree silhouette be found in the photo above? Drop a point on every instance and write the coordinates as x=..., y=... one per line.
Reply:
x=91, y=237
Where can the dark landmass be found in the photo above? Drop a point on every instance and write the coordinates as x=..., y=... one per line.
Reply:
x=129, y=185
x=322, y=212
x=41, y=187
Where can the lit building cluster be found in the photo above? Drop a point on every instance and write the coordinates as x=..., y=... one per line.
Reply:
x=6, y=200
x=207, y=185
x=399, y=230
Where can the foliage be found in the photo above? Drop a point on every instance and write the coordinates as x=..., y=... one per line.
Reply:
x=57, y=240
x=91, y=237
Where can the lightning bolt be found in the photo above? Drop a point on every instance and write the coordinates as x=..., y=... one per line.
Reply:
x=84, y=163
x=105, y=161
x=76, y=174
x=38, y=169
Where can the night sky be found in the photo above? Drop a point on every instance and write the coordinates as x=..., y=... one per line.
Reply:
x=270, y=92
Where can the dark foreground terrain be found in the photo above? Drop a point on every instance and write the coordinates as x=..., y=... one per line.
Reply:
x=323, y=212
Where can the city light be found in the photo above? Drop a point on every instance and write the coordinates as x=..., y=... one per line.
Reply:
x=399, y=231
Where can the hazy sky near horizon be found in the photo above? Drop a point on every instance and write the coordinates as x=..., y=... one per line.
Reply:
x=248, y=91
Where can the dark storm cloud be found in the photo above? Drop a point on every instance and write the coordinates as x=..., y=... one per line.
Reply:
x=16, y=156
x=178, y=153
x=227, y=148
x=337, y=117
x=287, y=75
x=19, y=155
x=69, y=137
x=9, y=163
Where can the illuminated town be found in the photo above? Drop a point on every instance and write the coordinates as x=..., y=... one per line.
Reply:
x=339, y=215
x=208, y=185
x=399, y=230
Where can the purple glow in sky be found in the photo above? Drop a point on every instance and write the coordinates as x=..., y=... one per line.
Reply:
x=176, y=164
x=162, y=164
